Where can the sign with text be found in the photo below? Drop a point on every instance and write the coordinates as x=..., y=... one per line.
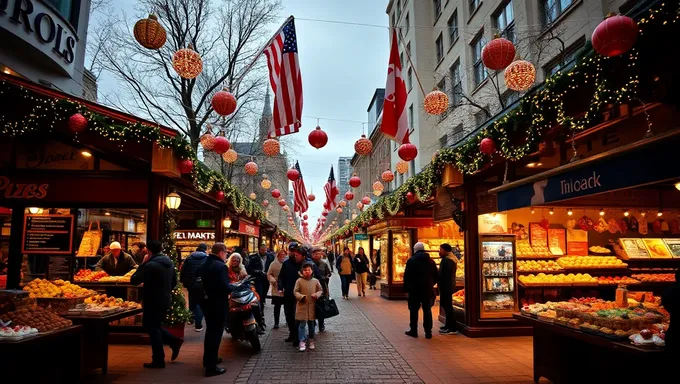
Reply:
x=60, y=267
x=492, y=223
x=48, y=234
x=557, y=238
x=248, y=229
x=53, y=155
x=538, y=235
x=11, y=190
x=194, y=234
x=577, y=242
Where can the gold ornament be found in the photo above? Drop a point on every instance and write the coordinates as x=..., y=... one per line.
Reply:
x=208, y=140
x=271, y=147
x=187, y=63
x=265, y=183
x=150, y=33
x=436, y=102
x=402, y=167
x=252, y=196
x=230, y=156
x=377, y=192
x=378, y=186
x=387, y=176
x=520, y=75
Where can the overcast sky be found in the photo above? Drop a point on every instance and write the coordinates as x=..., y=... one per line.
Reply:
x=341, y=67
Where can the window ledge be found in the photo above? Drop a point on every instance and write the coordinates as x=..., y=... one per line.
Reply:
x=564, y=14
x=475, y=12
x=439, y=62
x=436, y=19
x=480, y=86
x=452, y=44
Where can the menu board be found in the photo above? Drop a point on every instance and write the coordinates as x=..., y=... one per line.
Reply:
x=673, y=246
x=59, y=268
x=635, y=248
x=48, y=234
x=557, y=241
x=657, y=249
x=577, y=242
x=538, y=235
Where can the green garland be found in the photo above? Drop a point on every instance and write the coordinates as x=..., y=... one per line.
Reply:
x=178, y=312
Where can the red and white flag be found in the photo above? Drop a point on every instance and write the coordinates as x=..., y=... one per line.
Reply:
x=331, y=190
x=394, y=120
x=286, y=81
x=300, y=193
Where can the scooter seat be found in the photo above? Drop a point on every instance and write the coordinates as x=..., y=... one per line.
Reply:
x=238, y=294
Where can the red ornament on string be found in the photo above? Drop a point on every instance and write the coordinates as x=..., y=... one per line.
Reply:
x=276, y=193
x=366, y=200
x=363, y=146
x=219, y=195
x=349, y=196
x=498, y=53
x=282, y=202
x=221, y=144
x=354, y=181
x=223, y=102
x=304, y=217
x=251, y=168
x=387, y=176
x=410, y=197
x=487, y=146
x=615, y=35
x=311, y=197
x=293, y=174
x=185, y=166
x=318, y=138
x=77, y=123
x=407, y=151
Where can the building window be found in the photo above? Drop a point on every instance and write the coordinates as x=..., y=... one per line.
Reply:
x=410, y=116
x=65, y=9
x=437, y=9
x=394, y=20
x=505, y=21
x=564, y=58
x=409, y=79
x=456, y=84
x=473, y=5
x=453, y=27
x=479, y=69
x=408, y=23
x=442, y=85
x=552, y=9
x=401, y=59
x=439, y=44
x=408, y=50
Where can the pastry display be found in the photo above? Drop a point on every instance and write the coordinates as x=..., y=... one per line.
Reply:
x=497, y=269
x=599, y=250
x=583, y=262
x=654, y=277
x=41, y=288
x=537, y=266
x=87, y=275
x=105, y=301
x=401, y=251
x=36, y=317
x=615, y=280
x=459, y=298
x=17, y=332
x=561, y=279
x=499, y=303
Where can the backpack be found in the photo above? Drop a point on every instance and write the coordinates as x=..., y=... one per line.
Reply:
x=197, y=291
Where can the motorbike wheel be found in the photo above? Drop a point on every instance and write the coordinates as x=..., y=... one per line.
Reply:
x=254, y=340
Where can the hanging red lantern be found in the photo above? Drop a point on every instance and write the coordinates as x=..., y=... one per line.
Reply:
x=487, y=146
x=219, y=195
x=276, y=193
x=185, y=166
x=498, y=53
x=311, y=197
x=324, y=213
x=615, y=35
x=282, y=202
x=366, y=200
x=271, y=147
x=387, y=176
x=77, y=123
x=223, y=102
x=354, y=181
x=436, y=102
x=318, y=138
x=251, y=168
x=304, y=217
x=258, y=222
x=326, y=206
x=150, y=33
x=407, y=151
x=187, y=63
x=221, y=144
x=363, y=146
x=293, y=174
x=207, y=139
x=520, y=75
x=349, y=196
x=265, y=203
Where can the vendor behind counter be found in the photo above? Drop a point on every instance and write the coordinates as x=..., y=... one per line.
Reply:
x=116, y=263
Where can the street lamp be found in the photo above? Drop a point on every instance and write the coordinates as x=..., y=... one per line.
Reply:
x=173, y=200
x=226, y=223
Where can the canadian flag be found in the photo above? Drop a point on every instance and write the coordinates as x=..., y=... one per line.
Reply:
x=394, y=120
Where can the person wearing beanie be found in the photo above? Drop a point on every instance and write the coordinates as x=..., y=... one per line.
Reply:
x=188, y=278
x=447, y=284
x=116, y=262
x=420, y=277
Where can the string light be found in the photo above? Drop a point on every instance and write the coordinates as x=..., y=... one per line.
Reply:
x=569, y=212
x=659, y=214
x=552, y=212
x=626, y=213
x=601, y=211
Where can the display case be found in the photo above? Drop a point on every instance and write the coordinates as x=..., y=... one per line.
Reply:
x=384, y=252
x=401, y=251
x=497, y=276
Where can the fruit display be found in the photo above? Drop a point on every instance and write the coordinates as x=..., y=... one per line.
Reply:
x=561, y=279
x=126, y=277
x=537, y=266
x=615, y=280
x=459, y=298
x=584, y=262
x=599, y=250
x=41, y=288
x=654, y=277
x=87, y=275
x=526, y=251
x=111, y=302
x=36, y=317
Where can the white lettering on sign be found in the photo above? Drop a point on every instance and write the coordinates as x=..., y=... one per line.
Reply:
x=571, y=186
x=195, y=235
x=250, y=229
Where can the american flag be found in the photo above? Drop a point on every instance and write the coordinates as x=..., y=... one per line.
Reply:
x=300, y=193
x=286, y=81
x=331, y=190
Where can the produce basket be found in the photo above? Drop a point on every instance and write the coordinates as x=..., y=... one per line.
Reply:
x=60, y=305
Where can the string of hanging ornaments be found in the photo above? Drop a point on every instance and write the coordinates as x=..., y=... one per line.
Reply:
x=317, y=138
x=265, y=183
x=251, y=168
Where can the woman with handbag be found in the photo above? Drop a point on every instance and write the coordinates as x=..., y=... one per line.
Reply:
x=273, y=277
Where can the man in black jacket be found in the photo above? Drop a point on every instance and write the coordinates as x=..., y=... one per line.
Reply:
x=447, y=284
x=257, y=266
x=420, y=278
x=157, y=273
x=215, y=281
x=188, y=278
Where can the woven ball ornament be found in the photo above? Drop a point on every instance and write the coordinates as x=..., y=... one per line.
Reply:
x=223, y=102
x=271, y=147
x=305, y=217
x=286, y=208
x=318, y=138
x=187, y=63
x=77, y=123
x=436, y=102
x=360, y=205
x=207, y=139
x=251, y=168
x=230, y=156
x=407, y=151
x=402, y=167
x=354, y=181
x=349, y=196
x=338, y=210
x=387, y=176
x=324, y=213
x=149, y=33
x=520, y=75
x=342, y=203
x=219, y=195
x=221, y=145
x=276, y=193
x=265, y=183
x=311, y=197
x=498, y=53
x=487, y=146
x=185, y=166
x=363, y=146
x=366, y=200
x=293, y=174
x=615, y=36
x=265, y=203
x=282, y=202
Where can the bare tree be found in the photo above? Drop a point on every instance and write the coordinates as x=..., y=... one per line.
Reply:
x=227, y=34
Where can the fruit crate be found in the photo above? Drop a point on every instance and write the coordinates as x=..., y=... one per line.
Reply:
x=60, y=305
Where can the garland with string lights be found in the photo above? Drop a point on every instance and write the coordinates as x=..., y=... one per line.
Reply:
x=531, y=119
x=178, y=312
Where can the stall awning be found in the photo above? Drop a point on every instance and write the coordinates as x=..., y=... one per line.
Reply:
x=648, y=161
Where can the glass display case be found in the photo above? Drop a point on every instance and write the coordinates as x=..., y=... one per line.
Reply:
x=497, y=276
x=384, y=259
x=401, y=251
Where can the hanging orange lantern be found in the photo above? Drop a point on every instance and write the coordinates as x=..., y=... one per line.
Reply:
x=360, y=205
x=402, y=167
x=363, y=146
x=223, y=102
x=387, y=176
x=208, y=140
x=378, y=186
x=342, y=203
x=150, y=33
x=436, y=102
x=230, y=156
x=520, y=75
x=498, y=53
x=252, y=196
x=251, y=168
x=265, y=183
x=187, y=63
x=271, y=147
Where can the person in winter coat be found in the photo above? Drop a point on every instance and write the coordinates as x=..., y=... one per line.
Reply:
x=307, y=290
x=671, y=302
x=447, y=284
x=273, y=276
x=188, y=279
x=361, y=268
x=257, y=267
x=331, y=260
x=237, y=271
x=420, y=278
x=325, y=269
x=346, y=271
x=157, y=273
x=117, y=262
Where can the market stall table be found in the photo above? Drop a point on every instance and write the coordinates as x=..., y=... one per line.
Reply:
x=96, y=337
x=567, y=355
x=52, y=357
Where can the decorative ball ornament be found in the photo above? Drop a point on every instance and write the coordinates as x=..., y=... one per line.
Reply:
x=342, y=203
x=387, y=176
x=360, y=205
x=221, y=144
x=363, y=146
x=324, y=213
x=271, y=147
x=354, y=181
x=410, y=197
x=276, y=193
x=615, y=35
x=252, y=196
x=265, y=183
x=520, y=75
x=77, y=123
x=402, y=167
x=293, y=174
x=219, y=195
x=346, y=221
x=311, y=197
x=230, y=156
x=187, y=63
x=208, y=140
x=223, y=102
x=436, y=102
x=305, y=217
x=407, y=151
x=317, y=138
x=251, y=168
x=149, y=33
x=498, y=53
x=349, y=196
x=487, y=146
x=282, y=202
x=366, y=200
x=185, y=166
x=338, y=209
x=265, y=203
x=378, y=186
x=285, y=208
x=258, y=222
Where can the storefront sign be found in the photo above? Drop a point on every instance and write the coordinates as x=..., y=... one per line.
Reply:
x=206, y=223
x=48, y=234
x=53, y=155
x=248, y=229
x=12, y=190
x=492, y=223
x=360, y=236
x=194, y=235
x=650, y=164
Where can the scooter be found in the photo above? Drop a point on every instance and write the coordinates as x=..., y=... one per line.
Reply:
x=241, y=321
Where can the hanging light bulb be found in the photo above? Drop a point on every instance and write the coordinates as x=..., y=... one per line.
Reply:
x=569, y=212
x=552, y=212
x=601, y=211
x=626, y=213
x=659, y=214
x=533, y=211
x=643, y=213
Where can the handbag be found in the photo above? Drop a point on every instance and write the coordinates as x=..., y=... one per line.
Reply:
x=326, y=308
